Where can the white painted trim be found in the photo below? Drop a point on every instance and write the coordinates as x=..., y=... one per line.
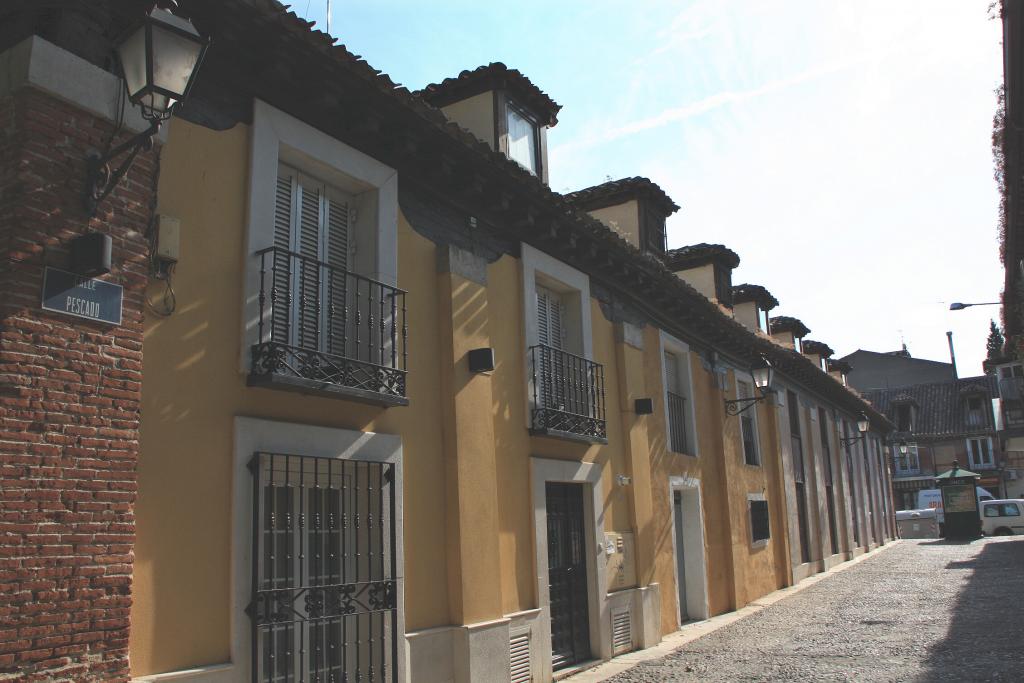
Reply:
x=40, y=64
x=542, y=471
x=682, y=350
x=217, y=673
x=275, y=137
x=548, y=267
x=696, y=601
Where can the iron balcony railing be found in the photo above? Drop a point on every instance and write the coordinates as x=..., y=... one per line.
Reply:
x=567, y=393
x=676, y=422
x=328, y=327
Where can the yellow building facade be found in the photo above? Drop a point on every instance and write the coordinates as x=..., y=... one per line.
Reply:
x=409, y=415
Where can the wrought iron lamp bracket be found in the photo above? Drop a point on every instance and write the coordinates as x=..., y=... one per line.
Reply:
x=100, y=181
x=847, y=440
x=741, y=405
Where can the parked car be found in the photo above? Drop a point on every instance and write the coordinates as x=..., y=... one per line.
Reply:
x=932, y=498
x=1002, y=517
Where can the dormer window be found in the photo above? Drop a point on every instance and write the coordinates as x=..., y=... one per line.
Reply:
x=905, y=418
x=522, y=141
x=723, y=285
x=974, y=411
x=762, y=320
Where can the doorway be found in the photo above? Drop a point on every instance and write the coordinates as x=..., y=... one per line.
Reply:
x=567, y=575
x=677, y=519
x=688, y=549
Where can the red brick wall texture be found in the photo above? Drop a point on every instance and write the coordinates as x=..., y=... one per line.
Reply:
x=69, y=403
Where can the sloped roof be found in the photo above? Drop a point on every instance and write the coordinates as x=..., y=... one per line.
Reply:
x=701, y=254
x=756, y=293
x=940, y=406
x=262, y=50
x=837, y=365
x=618, y=191
x=820, y=348
x=493, y=76
x=785, y=323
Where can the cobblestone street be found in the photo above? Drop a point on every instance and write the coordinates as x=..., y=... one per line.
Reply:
x=920, y=611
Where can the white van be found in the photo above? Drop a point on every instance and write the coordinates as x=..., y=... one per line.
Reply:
x=1002, y=517
x=932, y=498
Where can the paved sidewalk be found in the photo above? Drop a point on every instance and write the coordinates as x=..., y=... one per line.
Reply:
x=915, y=611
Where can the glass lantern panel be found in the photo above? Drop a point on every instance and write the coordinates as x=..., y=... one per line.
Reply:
x=132, y=53
x=175, y=56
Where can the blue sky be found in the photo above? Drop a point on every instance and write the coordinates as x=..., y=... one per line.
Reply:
x=841, y=148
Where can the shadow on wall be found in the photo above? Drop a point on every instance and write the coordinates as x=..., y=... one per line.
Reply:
x=983, y=641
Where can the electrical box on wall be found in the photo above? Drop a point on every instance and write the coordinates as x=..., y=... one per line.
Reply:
x=621, y=566
x=168, y=239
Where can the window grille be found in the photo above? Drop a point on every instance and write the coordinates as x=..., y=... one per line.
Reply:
x=324, y=600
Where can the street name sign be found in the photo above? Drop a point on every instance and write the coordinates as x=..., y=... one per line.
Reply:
x=82, y=297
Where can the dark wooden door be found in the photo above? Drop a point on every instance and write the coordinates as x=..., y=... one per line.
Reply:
x=567, y=575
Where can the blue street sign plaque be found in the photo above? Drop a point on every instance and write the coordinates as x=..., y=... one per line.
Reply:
x=82, y=297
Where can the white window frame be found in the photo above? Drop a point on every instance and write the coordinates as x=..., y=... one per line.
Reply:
x=572, y=284
x=752, y=414
x=913, y=460
x=277, y=137
x=990, y=463
x=682, y=352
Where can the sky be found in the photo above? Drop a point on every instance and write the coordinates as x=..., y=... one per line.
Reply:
x=842, y=149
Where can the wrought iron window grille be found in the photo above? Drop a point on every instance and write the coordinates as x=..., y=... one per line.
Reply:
x=676, y=422
x=567, y=394
x=324, y=592
x=324, y=328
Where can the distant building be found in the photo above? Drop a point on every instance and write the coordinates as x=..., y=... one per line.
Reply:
x=885, y=370
x=940, y=422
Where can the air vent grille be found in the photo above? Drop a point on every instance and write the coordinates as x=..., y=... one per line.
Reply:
x=519, y=651
x=622, y=631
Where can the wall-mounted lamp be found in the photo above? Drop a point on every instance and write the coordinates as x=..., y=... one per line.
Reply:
x=763, y=374
x=624, y=480
x=643, y=406
x=160, y=57
x=481, y=360
x=863, y=425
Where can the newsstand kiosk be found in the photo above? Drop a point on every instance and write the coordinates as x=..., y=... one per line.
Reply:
x=959, y=503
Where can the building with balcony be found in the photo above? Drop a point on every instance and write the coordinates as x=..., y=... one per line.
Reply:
x=377, y=403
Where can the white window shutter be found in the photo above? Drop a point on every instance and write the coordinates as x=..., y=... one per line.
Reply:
x=550, y=316
x=284, y=219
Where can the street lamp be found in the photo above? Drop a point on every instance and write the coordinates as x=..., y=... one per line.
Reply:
x=763, y=374
x=957, y=306
x=863, y=425
x=160, y=57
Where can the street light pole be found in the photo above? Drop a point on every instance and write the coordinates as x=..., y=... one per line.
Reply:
x=957, y=306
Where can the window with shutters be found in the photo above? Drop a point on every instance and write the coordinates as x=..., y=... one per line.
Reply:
x=322, y=312
x=566, y=387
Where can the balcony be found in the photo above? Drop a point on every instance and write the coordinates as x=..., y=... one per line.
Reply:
x=327, y=331
x=567, y=395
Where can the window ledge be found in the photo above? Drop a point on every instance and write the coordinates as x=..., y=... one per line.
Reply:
x=317, y=388
x=568, y=436
x=685, y=455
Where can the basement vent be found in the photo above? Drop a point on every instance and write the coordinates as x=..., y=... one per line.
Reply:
x=622, y=631
x=519, y=651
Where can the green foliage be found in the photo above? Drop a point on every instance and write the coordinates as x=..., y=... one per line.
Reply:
x=995, y=341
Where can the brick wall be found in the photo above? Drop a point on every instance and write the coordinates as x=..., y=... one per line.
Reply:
x=69, y=403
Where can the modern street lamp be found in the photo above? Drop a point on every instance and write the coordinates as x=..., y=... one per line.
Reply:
x=763, y=374
x=957, y=306
x=160, y=57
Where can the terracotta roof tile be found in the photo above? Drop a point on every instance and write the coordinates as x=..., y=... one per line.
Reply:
x=493, y=76
x=757, y=293
x=618, y=191
x=940, y=405
x=784, y=323
x=700, y=254
x=820, y=348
